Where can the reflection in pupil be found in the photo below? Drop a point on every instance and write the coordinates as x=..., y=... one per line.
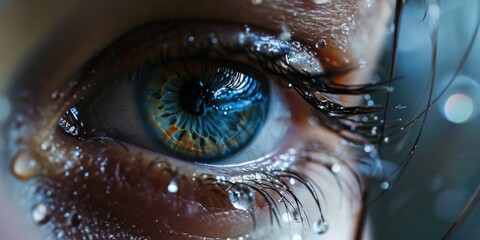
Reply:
x=195, y=97
x=201, y=111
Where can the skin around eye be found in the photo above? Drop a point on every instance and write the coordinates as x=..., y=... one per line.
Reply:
x=98, y=178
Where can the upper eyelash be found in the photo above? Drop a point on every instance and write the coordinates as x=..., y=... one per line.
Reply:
x=331, y=113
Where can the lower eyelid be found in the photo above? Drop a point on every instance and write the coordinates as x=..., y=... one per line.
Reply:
x=66, y=184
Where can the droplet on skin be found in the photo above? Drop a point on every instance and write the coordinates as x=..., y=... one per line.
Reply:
x=336, y=168
x=257, y=2
x=25, y=166
x=320, y=227
x=173, y=186
x=40, y=213
x=242, y=197
x=345, y=28
x=320, y=1
x=76, y=219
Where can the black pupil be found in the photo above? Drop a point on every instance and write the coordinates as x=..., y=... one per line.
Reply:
x=195, y=97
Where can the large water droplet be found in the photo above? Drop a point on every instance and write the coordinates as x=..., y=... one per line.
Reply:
x=25, y=166
x=321, y=44
x=241, y=196
x=40, y=213
x=320, y=226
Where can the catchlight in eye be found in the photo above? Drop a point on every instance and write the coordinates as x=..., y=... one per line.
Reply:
x=201, y=110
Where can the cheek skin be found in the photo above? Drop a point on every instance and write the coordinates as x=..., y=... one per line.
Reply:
x=116, y=195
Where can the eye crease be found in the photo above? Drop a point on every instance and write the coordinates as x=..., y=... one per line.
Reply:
x=238, y=163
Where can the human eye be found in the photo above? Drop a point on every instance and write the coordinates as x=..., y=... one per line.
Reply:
x=198, y=127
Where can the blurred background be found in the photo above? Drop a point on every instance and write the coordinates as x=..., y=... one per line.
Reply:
x=445, y=170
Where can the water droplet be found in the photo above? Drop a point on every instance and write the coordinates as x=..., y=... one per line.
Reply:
x=296, y=216
x=321, y=44
x=173, y=186
x=400, y=106
x=25, y=166
x=386, y=139
x=385, y=185
x=336, y=168
x=45, y=146
x=292, y=181
x=190, y=38
x=367, y=148
x=76, y=219
x=241, y=196
x=320, y=227
x=257, y=2
x=213, y=39
x=55, y=95
x=345, y=28
x=40, y=213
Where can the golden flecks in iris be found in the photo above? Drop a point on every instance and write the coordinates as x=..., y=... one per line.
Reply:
x=183, y=132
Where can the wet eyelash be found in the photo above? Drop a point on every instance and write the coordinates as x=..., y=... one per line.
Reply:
x=305, y=75
x=399, y=130
x=308, y=82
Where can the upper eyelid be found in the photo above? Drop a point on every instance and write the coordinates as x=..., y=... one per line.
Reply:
x=293, y=62
x=89, y=31
x=318, y=81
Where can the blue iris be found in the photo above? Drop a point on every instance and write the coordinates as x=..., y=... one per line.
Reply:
x=202, y=111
